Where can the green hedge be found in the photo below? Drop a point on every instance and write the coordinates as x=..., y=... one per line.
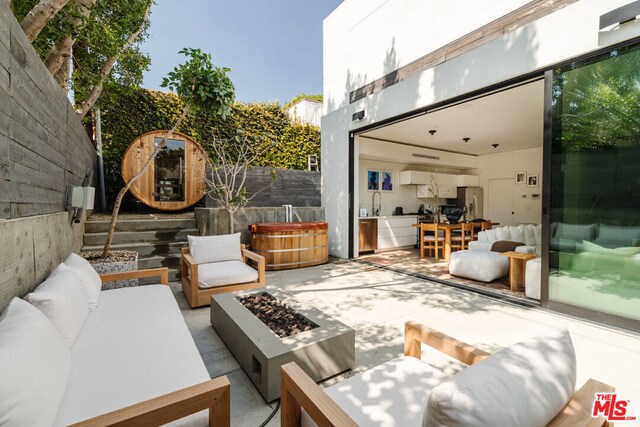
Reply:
x=127, y=113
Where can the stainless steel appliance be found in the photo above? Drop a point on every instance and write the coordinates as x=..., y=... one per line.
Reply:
x=470, y=199
x=368, y=241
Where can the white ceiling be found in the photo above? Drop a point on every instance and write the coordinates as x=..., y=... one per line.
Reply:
x=512, y=118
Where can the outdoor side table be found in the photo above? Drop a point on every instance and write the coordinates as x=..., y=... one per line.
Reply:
x=517, y=264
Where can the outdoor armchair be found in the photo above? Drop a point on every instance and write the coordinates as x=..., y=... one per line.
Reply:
x=218, y=264
x=408, y=392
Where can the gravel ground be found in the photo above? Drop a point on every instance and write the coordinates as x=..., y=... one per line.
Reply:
x=113, y=256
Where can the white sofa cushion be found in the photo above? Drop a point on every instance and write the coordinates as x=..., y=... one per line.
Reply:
x=35, y=366
x=621, y=251
x=477, y=245
x=484, y=266
x=517, y=233
x=223, y=273
x=62, y=298
x=530, y=235
x=491, y=235
x=524, y=385
x=618, y=233
x=503, y=233
x=88, y=276
x=391, y=394
x=575, y=231
x=225, y=247
x=135, y=346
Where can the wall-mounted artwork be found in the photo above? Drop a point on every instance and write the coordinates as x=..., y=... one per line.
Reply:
x=373, y=180
x=521, y=177
x=532, y=181
x=387, y=181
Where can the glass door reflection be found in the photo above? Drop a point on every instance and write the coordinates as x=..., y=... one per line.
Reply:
x=169, y=171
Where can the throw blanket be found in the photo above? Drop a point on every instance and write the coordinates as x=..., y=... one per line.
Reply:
x=505, y=246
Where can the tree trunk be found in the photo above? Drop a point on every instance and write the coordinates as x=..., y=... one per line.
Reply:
x=123, y=191
x=60, y=53
x=40, y=16
x=106, y=69
x=231, y=218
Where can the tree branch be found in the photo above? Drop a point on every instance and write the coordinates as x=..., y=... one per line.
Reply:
x=84, y=108
x=39, y=16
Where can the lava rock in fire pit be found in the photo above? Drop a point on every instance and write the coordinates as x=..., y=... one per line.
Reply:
x=280, y=318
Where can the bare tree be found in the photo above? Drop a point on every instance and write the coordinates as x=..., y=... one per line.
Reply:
x=228, y=173
x=39, y=16
x=86, y=105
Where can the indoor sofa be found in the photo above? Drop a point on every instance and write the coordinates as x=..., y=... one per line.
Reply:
x=530, y=235
x=75, y=354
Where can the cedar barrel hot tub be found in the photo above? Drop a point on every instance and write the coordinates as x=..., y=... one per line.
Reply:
x=290, y=244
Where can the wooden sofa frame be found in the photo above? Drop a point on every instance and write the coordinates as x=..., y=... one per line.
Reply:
x=298, y=391
x=198, y=297
x=213, y=395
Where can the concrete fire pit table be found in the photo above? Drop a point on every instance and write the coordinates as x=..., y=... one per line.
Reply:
x=321, y=352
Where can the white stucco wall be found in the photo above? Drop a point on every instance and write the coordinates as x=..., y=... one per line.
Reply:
x=569, y=32
x=306, y=112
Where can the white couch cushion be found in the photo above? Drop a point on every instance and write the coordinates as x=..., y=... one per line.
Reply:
x=517, y=233
x=482, y=236
x=484, y=266
x=88, y=276
x=530, y=235
x=205, y=249
x=135, y=346
x=477, y=245
x=224, y=273
x=391, y=394
x=618, y=233
x=491, y=235
x=63, y=300
x=592, y=247
x=524, y=385
x=576, y=231
x=503, y=233
x=35, y=366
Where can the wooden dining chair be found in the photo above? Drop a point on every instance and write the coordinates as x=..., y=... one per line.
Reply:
x=459, y=241
x=431, y=239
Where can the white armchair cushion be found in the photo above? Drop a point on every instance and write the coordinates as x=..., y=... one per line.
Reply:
x=484, y=266
x=35, y=367
x=88, y=276
x=391, y=394
x=225, y=247
x=524, y=385
x=63, y=300
x=223, y=273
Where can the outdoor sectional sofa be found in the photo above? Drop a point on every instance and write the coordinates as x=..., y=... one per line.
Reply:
x=528, y=384
x=78, y=354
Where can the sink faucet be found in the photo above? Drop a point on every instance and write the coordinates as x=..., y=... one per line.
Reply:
x=374, y=211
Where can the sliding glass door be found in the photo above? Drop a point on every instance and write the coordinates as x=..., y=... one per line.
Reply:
x=594, y=217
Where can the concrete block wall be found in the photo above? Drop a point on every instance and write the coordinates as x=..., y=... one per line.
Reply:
x=291, y=187
x=44, y=150
x=214, y=221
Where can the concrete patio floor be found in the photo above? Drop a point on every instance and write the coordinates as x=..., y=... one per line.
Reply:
x=376, y=303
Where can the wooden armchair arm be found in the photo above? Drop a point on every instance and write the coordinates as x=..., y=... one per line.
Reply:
x=416, y=333
x=162, y=273
x=578, y=410
x=213, y=395
x=259, y=259
x=298, y=391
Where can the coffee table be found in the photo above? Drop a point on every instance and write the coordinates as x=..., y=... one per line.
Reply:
x=517, y=264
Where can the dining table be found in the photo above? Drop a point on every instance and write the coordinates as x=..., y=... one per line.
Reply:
x=447, y=228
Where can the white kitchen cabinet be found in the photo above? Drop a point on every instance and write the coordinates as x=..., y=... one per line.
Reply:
x=414, y=178
x=468, y=181
x=396, y=232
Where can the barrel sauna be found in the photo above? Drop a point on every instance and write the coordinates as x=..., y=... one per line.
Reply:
x=175, y=180
x=287, y=245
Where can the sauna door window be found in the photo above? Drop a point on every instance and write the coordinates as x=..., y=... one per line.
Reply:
x=169, y=171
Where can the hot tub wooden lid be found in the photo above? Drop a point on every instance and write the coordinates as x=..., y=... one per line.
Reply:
x=275, y=227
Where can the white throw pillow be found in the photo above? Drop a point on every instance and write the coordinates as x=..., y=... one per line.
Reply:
x=502, y=233
x=35, y=367
x=491, y=235
x=524, y=385
x=530, y=235
x=63, y=300
x=482, y=236
x=622, y=251
x=225, y=247
x=517, y=233
x=89, y=278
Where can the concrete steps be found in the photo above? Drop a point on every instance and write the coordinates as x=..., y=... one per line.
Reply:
x=158, y=242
